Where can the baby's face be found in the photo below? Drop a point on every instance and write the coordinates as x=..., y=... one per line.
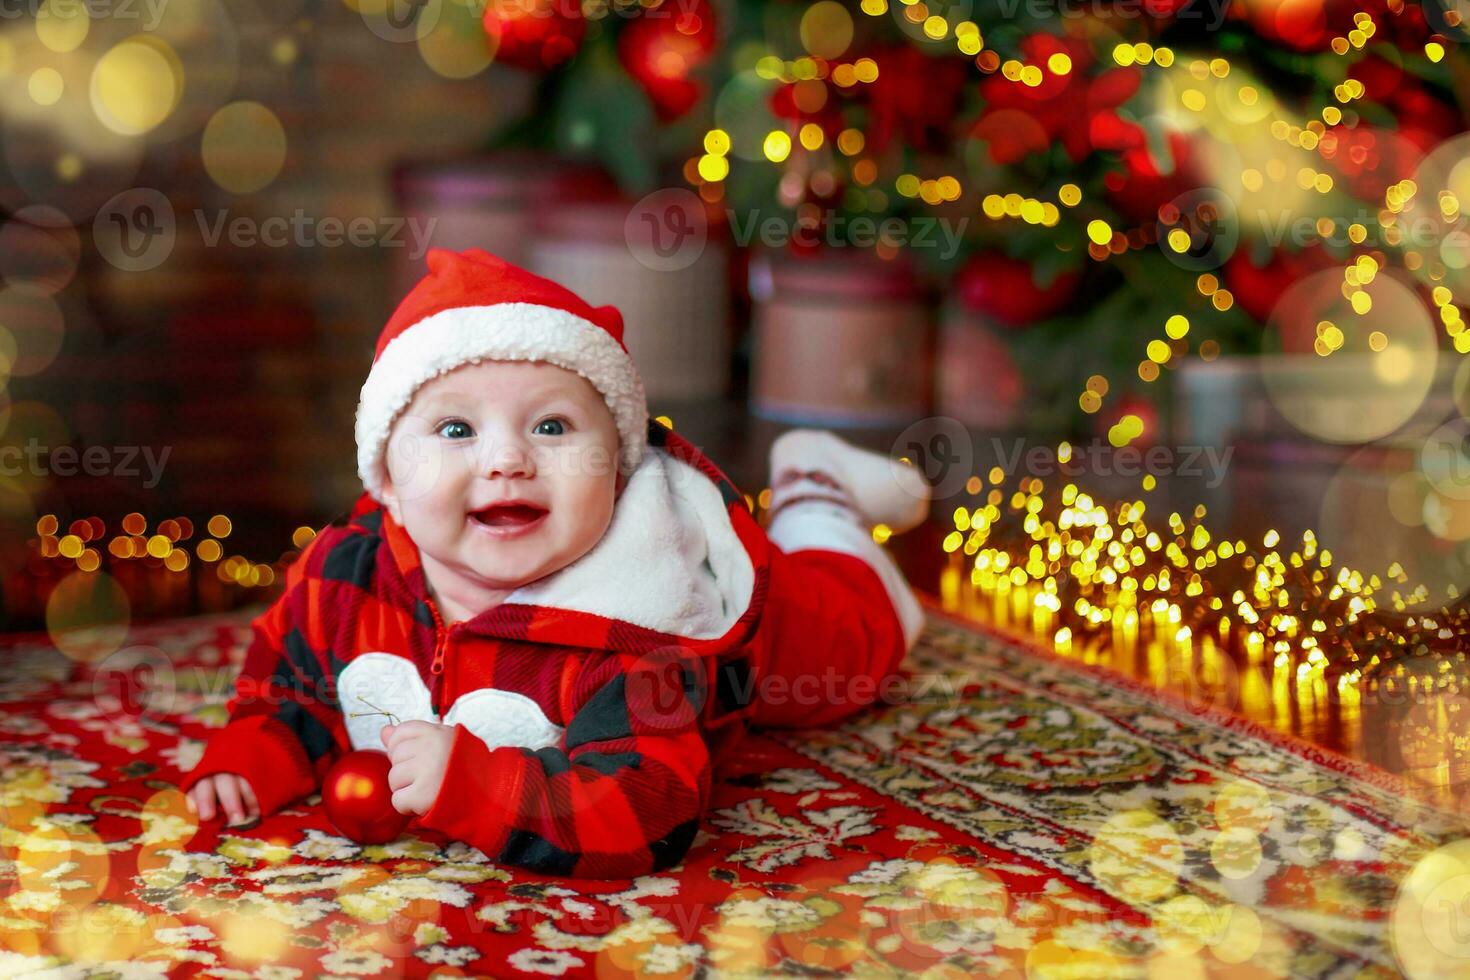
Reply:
x=494, y=431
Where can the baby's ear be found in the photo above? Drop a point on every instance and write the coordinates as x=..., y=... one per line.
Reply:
x=389, y=497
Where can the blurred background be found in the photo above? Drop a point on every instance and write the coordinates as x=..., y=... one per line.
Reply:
x=1191, y=273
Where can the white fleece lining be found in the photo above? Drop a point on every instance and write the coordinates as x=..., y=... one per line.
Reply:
x=450, y=338
x=669, y=561
x=818, y=526
x=380, y=681
x=390, y=682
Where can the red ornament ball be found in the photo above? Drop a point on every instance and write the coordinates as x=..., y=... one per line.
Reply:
x=1258, y=288
x=534, y=34
x=1004, y=289
x=1134, y=405
x=358, y=800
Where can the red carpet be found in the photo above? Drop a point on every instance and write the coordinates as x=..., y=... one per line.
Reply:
x=1019, y=816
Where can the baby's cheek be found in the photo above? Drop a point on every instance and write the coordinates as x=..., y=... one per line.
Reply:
x=594, y=512
x=589, y=465
x=416, y=465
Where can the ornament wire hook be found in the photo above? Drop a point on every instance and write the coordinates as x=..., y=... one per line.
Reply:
x=392, y=718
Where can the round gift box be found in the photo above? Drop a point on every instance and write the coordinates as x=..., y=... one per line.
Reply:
x=488, y=201
x=840, y=338
x=675, y=319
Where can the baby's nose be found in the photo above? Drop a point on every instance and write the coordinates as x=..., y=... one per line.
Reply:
x=509, y=459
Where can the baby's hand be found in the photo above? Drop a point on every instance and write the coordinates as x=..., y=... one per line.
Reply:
x=231, y=790
x=419, y=751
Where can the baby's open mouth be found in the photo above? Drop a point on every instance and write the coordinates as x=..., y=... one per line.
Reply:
x=508, y=515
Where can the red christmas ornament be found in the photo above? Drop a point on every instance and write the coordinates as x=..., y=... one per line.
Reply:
x=663, y=47
x=1004, y=289
x=1299, y=24
x=358, y=800
x=534, y=34
x=1258, y=288
x=1310, y=25
x=1131, y=405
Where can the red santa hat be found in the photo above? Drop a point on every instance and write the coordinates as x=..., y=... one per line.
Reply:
x=473, y=306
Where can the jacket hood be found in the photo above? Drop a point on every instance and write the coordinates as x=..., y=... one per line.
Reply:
x=682, y=561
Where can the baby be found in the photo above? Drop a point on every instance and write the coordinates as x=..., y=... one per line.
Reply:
x=554, y=614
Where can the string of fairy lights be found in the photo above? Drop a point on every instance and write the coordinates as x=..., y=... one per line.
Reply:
x=1076, y=567
x=169, y=548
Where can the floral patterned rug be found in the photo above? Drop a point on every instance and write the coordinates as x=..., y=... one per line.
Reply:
x=1017, y=816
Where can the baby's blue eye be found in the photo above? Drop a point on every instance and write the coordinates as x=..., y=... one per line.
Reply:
x=560, y=428
x=456, y=430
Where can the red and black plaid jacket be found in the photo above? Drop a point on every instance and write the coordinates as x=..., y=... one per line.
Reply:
x=645, y=714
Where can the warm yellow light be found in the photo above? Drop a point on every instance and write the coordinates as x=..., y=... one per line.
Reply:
x=713, y=168
x=717, y=142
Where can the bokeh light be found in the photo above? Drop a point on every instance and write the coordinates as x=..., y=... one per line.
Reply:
x=39, y=247
x=33, y=322
x=62, y=25
x=1332, y=384
x=1428, y=922
x=136, y=84
x=66, y=860
x=456, y=46
x=88, y=616
x=1136, y=856
x=243, y=147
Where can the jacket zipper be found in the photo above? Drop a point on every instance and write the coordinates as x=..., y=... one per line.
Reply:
x=441, y=643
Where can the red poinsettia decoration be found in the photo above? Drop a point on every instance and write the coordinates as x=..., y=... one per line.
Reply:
x=1148, y=181
x=1077, y=108
x=661, y=50
x=914, y=97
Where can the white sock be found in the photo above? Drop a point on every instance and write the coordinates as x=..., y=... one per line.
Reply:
x=810, y=512
x=880, y=488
